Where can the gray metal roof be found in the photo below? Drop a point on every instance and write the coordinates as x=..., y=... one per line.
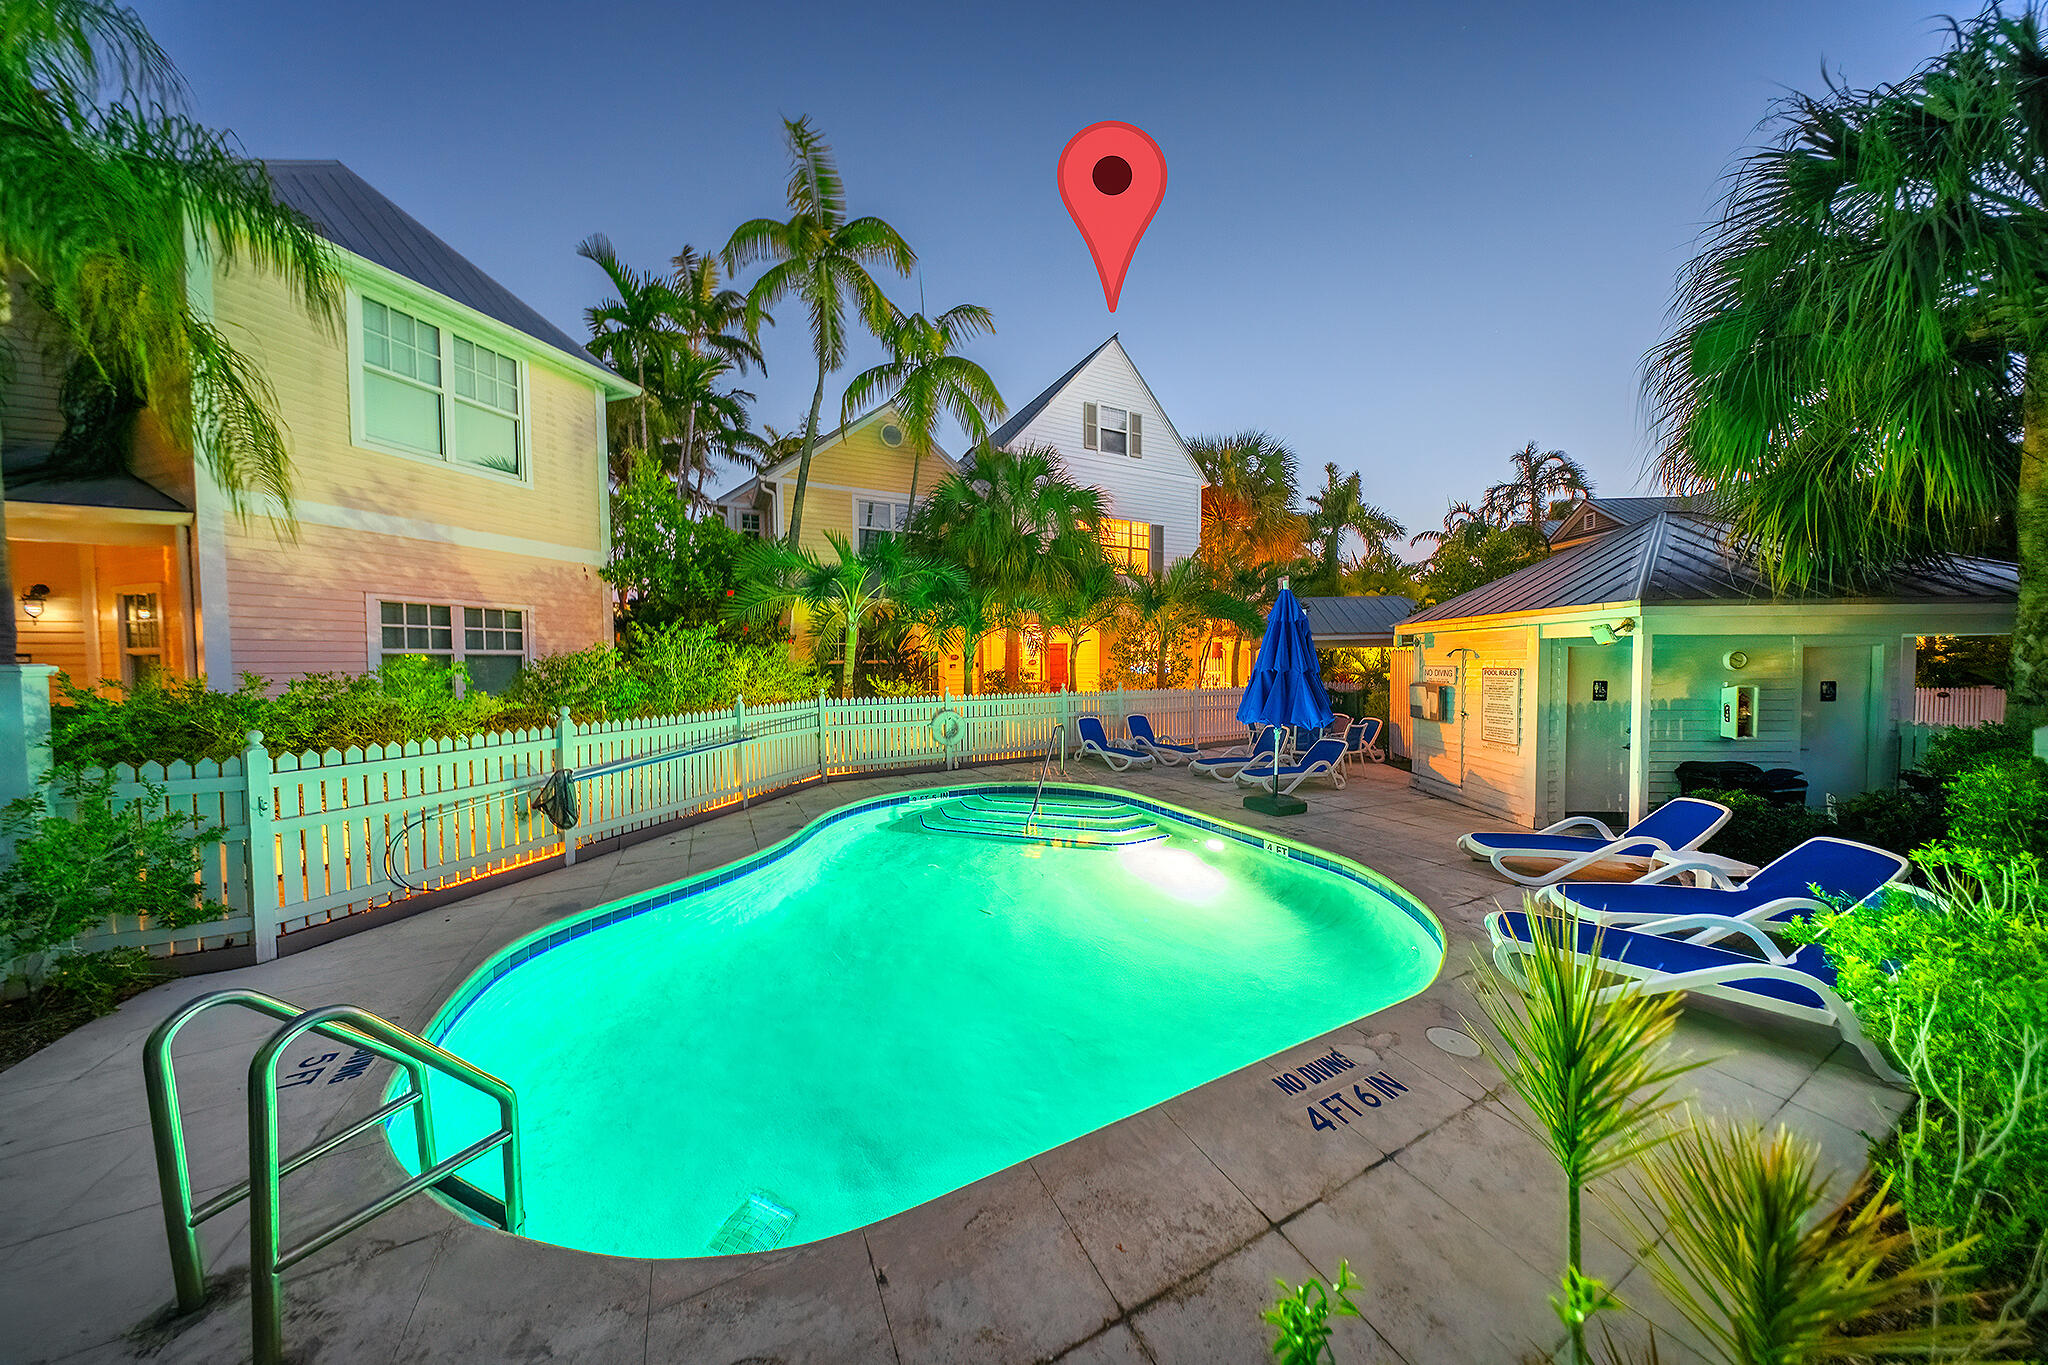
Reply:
x=1611, y=513
x=1021, y=418
x=1355, y=620
x=1683, y=557
x=352, y=214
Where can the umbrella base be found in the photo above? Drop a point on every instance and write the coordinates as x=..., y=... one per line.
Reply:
x=1271, y=803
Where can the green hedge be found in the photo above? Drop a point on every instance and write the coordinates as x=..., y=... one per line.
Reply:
x=1956, y=985
x=666, y=672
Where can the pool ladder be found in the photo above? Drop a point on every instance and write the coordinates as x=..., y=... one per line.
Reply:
x=268, y=1257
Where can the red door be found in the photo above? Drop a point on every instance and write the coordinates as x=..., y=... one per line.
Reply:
x=1055, y=667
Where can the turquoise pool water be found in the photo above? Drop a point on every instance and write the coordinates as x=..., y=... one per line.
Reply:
x=877, y=1011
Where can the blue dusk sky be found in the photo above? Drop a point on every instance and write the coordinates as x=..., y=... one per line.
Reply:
x=1405, y=239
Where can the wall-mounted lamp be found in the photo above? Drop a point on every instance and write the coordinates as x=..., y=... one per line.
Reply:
x=32, y=601
x=1604, y=634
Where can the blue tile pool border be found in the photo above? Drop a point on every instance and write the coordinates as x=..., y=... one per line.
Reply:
x=524, y=950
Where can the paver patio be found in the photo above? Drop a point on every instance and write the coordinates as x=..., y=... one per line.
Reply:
x=1155, y=1239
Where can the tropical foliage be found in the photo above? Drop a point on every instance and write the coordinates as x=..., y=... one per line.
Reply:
x=843, y=593
x=106, y=177
x=106, y=856
x=1859, y=365
x=923, y=380
x=668, y=563
x=1588, y=1063
x=821, y=258
x=1536, y=480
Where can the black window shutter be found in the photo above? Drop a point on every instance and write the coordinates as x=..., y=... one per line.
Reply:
x=1158, y=550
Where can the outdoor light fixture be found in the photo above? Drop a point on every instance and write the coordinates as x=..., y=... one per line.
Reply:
x=1604, y=634
x=32, y=601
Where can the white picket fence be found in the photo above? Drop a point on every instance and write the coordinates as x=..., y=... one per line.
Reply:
x=315, y=837
x=1958, y=705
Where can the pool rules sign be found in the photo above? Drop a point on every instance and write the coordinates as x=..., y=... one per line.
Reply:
x=1500, y=707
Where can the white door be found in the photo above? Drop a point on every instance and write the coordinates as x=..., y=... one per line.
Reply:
x=1834, y=721
x=1596, y=734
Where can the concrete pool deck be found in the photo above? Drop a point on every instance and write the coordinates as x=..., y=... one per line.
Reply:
x=1157, y=1238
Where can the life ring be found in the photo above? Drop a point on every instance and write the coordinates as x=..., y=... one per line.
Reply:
x=948, y=726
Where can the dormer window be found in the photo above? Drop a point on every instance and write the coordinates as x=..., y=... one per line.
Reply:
x=1114, y=431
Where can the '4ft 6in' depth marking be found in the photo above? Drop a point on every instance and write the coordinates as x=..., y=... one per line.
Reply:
x=1339, y=1105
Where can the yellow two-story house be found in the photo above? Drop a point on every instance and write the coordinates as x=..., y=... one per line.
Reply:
x=449, y=479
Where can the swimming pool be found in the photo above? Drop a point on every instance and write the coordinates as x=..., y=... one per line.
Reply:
x=908, y=994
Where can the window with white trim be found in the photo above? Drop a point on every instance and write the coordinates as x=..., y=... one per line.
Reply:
x=447, y=398
x=750, y=525
x=491, y=641
x=1115, y=431
x=880, y=519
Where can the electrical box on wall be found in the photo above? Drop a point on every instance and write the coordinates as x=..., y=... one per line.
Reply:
x=1431, y=701
x=1738, y=711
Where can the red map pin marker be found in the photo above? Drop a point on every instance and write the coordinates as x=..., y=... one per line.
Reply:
x=1112, y=177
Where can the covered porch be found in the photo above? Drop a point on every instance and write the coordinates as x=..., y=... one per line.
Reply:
x=102, y=574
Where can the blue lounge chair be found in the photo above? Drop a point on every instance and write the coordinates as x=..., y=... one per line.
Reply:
x=1791, y=884
x=1677, y=826
x=1324, y=758
x=1161, y=748
x=1095, y=740
x=1227, y=764
x=1798, y=985
x=1362, y=740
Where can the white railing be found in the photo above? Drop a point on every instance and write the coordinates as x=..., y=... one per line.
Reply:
x=1958, y=705
x=316, y=837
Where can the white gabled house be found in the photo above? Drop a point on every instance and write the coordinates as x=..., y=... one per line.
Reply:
x=1109, y=428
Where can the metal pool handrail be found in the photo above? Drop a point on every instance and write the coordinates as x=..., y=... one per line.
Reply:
x=268, y=1259
x=1045, y=765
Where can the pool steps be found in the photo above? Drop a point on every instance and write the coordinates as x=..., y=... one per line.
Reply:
x=1065, y=822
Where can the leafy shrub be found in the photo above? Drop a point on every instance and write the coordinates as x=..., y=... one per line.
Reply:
x=1758, y=830
x=2000, y=805
x=1302, y=1316
x=1950, y=752
x=1898, y=820
x=1957, y=984
x=668, y=671
x=596, y=683
x=160, y=718
x=105, y=858
x=99, y=981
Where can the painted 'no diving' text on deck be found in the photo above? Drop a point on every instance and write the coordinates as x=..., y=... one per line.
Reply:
x=1336, y=1104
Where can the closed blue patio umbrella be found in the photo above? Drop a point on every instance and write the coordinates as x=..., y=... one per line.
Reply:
x=1285, y=689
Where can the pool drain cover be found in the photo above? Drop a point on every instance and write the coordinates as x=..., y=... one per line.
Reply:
x=1451, y=1041
x=758, y=1224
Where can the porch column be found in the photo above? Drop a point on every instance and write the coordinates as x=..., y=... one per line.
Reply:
x=1639, y=724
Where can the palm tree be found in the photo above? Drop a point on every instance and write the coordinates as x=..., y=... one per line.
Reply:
x=881, y=576
x=1457, y=517
x=713, y=420
x=821, y=257
x=1248, y=501
x=1091, y=598
x=1534, y=478
x=639, y=332
x=925, y=380
x=1859, y=367
x=1167, y=606
x=718, y=335
x=1340, y=509
x=966, y=615
x=1015, y=520
x=106, y=177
